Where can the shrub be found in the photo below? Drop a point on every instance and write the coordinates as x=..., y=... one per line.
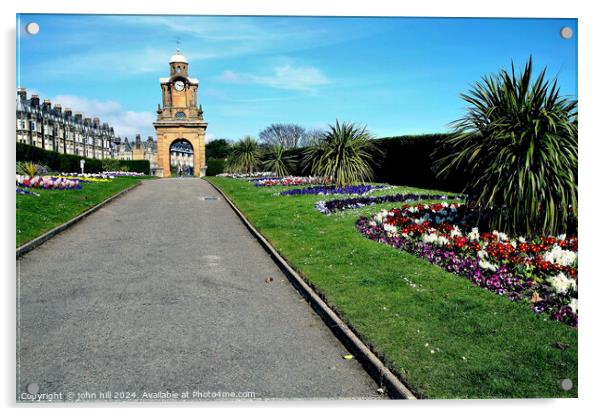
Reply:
x=218, y=149
x=245, y=156
x=519, y=141
x=343, y=154
x=276, y=160
x=110, y=165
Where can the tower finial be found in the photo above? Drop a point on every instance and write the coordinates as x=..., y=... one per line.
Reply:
x=178, y=46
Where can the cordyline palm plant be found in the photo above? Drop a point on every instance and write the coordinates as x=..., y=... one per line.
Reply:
x=519, y=143
x=277, y=161
x=244, y=157
x=30, y=169
x=342, y=153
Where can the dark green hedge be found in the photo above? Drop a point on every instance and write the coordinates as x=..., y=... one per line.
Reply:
x=404, y=160
x=409, y=160
x=215, y=167
x=54, y=160
x=141, y=166
x=70, y=163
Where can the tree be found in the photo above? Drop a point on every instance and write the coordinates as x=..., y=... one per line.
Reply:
x=290, y=136
x=218, y=149
x=245, y=156
x=518, y=140
x=343, y=154
x=276, y=160
x=312, y=136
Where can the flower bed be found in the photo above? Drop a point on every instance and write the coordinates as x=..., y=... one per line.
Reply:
x=128, y=174
x=331, y=190
x=246, y=175
x=47, y=182
x=333, y=205
x=101, y=175
x=26, y=192
x=542, y=269
x=293, y=181
x=86, y=178
x=275, y=178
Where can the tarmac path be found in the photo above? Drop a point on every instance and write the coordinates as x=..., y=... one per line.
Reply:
x=164, y=292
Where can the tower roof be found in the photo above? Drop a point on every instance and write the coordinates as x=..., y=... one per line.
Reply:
x=178, y=57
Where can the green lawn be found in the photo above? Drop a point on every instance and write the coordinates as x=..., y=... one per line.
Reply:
x=36, y=215
x=483, y=345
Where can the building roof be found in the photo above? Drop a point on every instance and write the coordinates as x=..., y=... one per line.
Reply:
x=38, y=108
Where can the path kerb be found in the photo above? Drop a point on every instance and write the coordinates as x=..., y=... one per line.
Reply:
x=30, y=245
x=370, y=361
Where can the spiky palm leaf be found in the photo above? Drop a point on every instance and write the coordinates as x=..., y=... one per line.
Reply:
x=343, y=154
x=276, y=160
x=519, y=143
x=245, y=156
x=30, y=169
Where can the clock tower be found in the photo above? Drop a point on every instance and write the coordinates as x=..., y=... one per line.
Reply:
x=180, y=117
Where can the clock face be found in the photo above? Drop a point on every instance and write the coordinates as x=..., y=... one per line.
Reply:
x=180, y=114
x=179, y=85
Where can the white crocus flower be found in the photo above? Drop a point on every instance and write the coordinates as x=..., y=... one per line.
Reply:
x=390, y=229
x=500, y=236
x=484, y=264
x=561, y=283
x=442, y=241
x=474, y=234
x=573, y=304
x=558, y=255
x=429, y=238
x=456, y=232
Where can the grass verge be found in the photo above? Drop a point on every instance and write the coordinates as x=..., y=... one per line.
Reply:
x=36, y=215
x=442, y=336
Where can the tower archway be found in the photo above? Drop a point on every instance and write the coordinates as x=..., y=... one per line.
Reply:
x=181, y=158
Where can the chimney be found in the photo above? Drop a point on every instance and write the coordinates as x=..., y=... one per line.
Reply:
x=68, y=112
x=87, y=121
x=96, y=122
x=22, y=93
x=47, y=105
x=78, y=117
x=58, y=108
x=35, y=100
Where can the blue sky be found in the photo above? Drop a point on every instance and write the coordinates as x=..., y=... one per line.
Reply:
x=395, y=75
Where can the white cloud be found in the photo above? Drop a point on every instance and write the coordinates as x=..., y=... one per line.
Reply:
x=126, y=123
x=288, y=77
x=230, y=76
